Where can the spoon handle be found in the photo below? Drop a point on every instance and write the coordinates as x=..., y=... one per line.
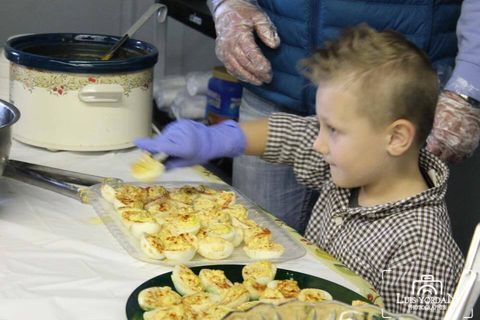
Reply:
x=153, y=8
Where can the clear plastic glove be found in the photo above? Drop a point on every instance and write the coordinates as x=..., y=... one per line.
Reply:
x=456, y=129
x=235, y=22
x=188, y=142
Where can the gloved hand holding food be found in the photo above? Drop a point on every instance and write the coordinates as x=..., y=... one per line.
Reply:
x=456, y=129
x=188, y=142
x=235, y=23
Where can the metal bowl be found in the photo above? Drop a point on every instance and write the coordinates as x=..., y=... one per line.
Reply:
x=9, y=114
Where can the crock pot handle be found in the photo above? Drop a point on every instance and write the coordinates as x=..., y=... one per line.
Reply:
x=92, y=93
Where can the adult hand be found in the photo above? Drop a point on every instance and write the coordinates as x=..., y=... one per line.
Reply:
x=235, y=21
x=456, y=128
x=188, y=142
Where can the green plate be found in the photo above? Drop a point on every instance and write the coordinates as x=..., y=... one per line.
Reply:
x=234, y=274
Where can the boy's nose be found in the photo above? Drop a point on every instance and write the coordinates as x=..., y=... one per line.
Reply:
x=320, y=144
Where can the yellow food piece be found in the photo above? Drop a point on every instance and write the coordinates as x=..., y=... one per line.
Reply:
x=237, y=210
x=155, y=297
x=200, y=301
x=137, y=216
x=225, y=198
x=314, y=295
x=205, y=203
x=175, y=312
x=216, y=313
x=185, y=281
x=261, y=271
x=215, y=248
x=214, y=281
x=222, y=230
x=181, y=242
x=147, y=169
x=183, y=223
x=263, y=250
x=208, y=217
x=152, y=246
x=254, y=288
x=235, y=296
x=289, y=288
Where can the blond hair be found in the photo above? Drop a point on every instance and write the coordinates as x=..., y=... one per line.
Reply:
x=392, y=78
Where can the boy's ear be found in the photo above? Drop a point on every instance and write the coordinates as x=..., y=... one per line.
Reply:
x=401, y=134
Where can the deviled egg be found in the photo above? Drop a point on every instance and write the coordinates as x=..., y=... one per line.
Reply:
x=214, y=281
x=208, y=217
x=225, y=198
x=257, y=234
x=186, y=282
x=216, y=312
x=155, y=297
x=261, y=250
x=204, y=202
x=200, y=301
x=183, y=223
x=289, y=288
x=237, y=210
x=147, y=169
x=238, y=238
x=139, y=221
x=180, y=247
x=273, y=296
x=152, y=246
x=314, y=295
x=215, y=248
x=255, y=289
x=174, y=312
x=124, y=196
x=234, y=296
x=261, y=271
x=222, y=230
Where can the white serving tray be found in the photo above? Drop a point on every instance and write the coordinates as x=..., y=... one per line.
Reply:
x=106, y=211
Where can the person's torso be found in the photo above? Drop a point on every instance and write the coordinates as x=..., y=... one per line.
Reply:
x=305, y=25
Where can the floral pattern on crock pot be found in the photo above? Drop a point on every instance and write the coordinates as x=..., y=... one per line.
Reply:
x=59, y=84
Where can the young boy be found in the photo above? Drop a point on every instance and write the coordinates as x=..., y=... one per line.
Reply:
x=381, y=209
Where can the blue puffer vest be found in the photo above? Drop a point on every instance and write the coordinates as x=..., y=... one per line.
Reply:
x=304, y=25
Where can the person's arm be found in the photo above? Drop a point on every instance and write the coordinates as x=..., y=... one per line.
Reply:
x=236, y=23
x=256, y=135
x=456, y=130
x=466, y=75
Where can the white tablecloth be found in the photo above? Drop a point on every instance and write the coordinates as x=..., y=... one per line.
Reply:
x=59, y=261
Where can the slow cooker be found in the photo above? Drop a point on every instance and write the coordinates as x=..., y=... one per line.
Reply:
x=71, y=100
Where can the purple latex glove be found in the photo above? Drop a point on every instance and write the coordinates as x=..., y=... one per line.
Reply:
x=189, y=142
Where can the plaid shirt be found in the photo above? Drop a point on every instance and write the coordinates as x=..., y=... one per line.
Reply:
x=404, y=249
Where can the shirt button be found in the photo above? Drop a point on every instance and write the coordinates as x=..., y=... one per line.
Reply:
x=338, y=220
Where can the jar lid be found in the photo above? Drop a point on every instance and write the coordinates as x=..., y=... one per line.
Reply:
x=221, y=73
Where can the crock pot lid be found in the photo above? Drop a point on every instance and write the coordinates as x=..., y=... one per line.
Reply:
x=14, y=51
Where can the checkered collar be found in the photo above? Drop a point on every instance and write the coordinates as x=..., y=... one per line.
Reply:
x=431, y=166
